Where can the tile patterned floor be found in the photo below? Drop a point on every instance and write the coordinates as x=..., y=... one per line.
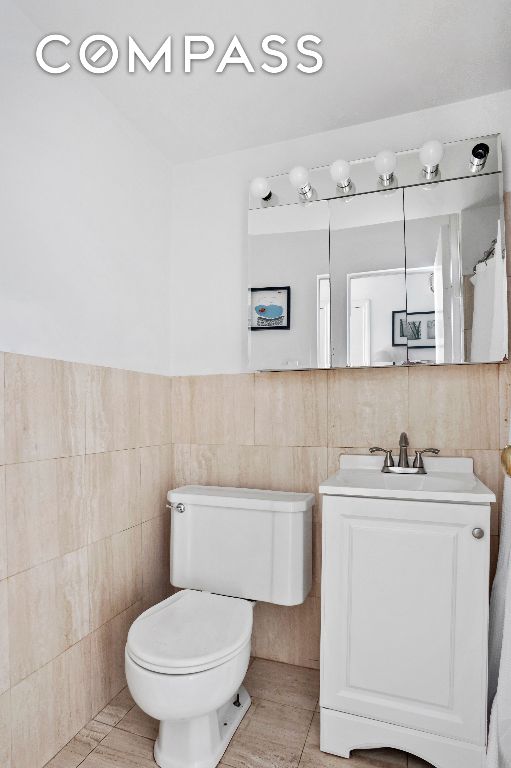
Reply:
x=280, y=730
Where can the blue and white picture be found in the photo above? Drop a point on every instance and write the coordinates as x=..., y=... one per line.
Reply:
x=270, y=308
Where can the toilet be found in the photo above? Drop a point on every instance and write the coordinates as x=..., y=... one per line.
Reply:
x=187, y=656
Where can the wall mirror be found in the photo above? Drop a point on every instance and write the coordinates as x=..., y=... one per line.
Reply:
x=409, y=274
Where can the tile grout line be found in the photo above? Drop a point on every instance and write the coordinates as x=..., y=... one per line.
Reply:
x=92, y=719
x=307, y=735
x=92, y=750
x=282, y=704
x=88, y=510
x=83, y=546
x=90, y=453
x=73, y=645
x=96, y=717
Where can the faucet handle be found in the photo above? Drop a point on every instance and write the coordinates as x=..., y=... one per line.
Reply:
x=389, y=459
x=417, y=462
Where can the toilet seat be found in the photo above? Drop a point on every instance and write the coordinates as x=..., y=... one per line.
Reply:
x=190, y=632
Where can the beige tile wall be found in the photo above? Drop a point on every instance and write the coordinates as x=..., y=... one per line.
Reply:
x=292, y=427
x=84, y=536
x=86, y=458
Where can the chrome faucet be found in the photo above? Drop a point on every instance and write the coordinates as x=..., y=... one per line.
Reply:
x=403, y=466
x=403, y=450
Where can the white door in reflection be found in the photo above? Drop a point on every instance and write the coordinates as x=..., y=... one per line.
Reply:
x=323, y=298
x=372, y=298
x=360, y=332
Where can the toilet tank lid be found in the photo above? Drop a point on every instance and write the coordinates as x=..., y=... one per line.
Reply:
x=242, y=498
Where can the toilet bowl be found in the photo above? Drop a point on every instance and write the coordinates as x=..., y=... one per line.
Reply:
x=187, y=656
x=185, y=660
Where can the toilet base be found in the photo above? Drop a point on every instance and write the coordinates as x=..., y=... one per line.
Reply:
x=201, y=741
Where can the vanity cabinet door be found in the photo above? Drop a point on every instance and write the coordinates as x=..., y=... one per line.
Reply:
x=405, y=613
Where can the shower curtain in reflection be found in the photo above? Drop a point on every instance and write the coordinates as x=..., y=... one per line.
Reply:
x=499, y=670
x=489, y=327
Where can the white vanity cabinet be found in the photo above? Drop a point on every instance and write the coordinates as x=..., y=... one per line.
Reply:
x=405, y=611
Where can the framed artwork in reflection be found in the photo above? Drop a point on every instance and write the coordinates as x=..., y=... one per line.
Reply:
x=270, y=308
x=415, y=330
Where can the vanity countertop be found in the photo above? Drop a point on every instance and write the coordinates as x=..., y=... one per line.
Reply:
x=447, y=479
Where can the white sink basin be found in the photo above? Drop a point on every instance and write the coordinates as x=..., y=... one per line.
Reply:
x=447, y=479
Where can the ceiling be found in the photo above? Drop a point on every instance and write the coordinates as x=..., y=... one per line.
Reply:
x=382, y=58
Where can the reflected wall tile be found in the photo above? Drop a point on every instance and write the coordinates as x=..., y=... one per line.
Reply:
x=115, y=566
x=222, y=409
x=367, y=406
x=46, y=510
x=44, y=408
x=454, y=406
x=156, y=560
x=156, y=471
x=2, y=409
x=4, y=638
x=291, y=408
x=113, y=410
x=3, y=527
x=49, y=707
x=107, y=652
x=5, y=730
x=48, y=612
x=279, y=632
x=113, y=492
x=155, y=409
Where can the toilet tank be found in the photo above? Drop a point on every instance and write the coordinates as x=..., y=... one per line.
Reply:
x=242, y=542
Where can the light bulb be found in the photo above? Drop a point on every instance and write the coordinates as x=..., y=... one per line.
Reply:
x=260, y=188
x=385, y=163
x=430, y=155
x=299, y=178
x=340, y=173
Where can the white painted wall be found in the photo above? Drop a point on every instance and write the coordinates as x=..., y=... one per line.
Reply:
x=85, y=201
x=209, y=214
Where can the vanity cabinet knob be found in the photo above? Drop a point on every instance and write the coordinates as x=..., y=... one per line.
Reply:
x=478, y=533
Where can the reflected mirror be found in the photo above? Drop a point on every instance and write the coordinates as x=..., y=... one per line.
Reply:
x=456, y=308
x=368, y=284
x=289, y=296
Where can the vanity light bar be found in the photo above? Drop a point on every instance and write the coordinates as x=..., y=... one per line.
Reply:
x=432, y=163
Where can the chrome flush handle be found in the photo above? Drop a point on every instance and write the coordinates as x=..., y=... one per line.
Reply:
x=180, y=507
